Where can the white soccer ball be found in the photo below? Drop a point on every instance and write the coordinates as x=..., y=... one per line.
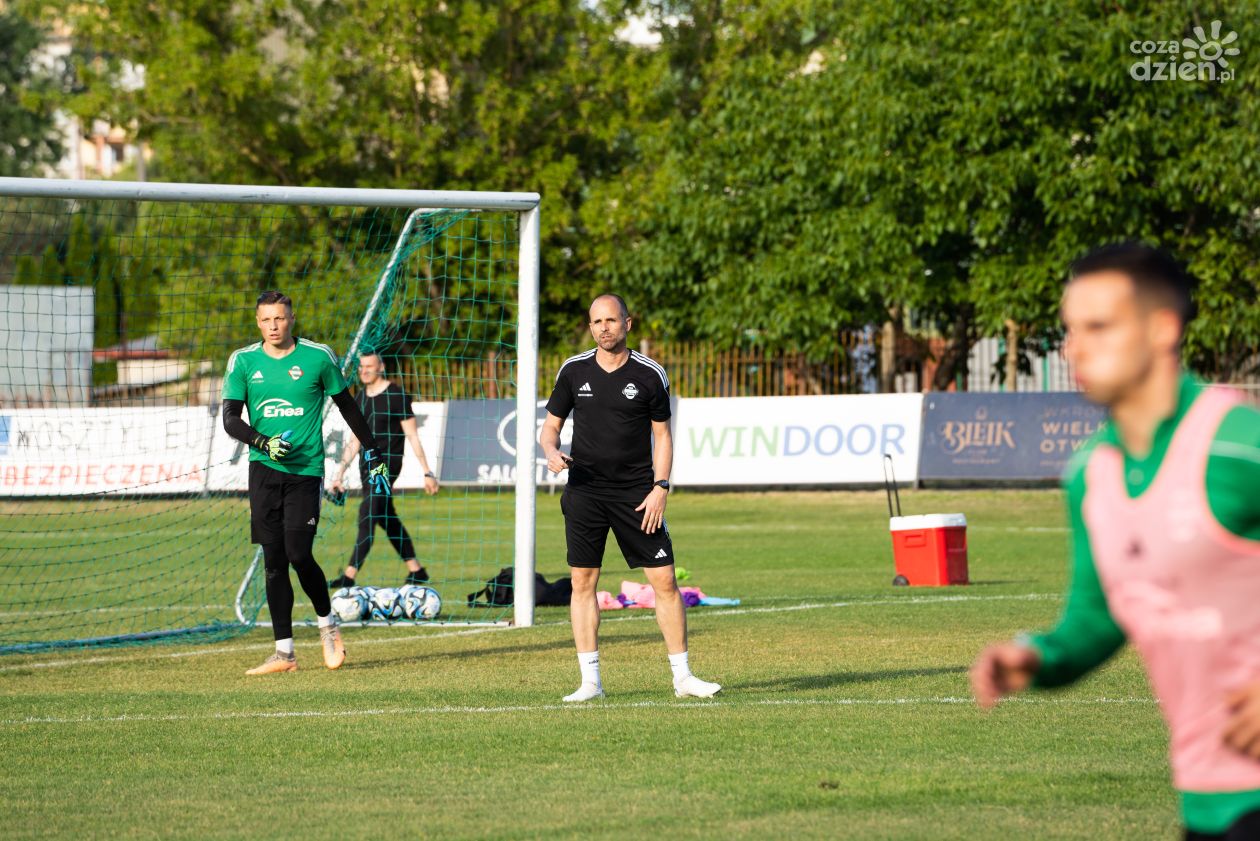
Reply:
x=350, y=604
x=421, y=603
x=385, y=604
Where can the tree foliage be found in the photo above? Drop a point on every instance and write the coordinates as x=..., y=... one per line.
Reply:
x=950, y=158
x=772, y=172
x=28, y=137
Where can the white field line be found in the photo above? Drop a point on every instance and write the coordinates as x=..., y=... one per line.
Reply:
x=588, y=707
x=119, y=609
x=229, y=649
x=740, y=611
x=639, y=615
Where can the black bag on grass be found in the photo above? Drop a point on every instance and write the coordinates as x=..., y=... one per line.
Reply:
x=499, y=591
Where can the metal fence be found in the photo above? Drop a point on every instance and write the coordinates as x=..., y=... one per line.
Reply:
x=701, y=369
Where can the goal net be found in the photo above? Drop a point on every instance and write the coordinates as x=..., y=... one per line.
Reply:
x=123, y=514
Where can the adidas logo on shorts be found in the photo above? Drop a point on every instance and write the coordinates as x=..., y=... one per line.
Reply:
x=661, y=553
x=311, y=521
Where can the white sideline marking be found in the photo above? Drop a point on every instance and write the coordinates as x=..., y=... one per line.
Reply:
x=532, y=708
x=640, y=615
x=739, y=611
x=260, y=646
x=119, y=609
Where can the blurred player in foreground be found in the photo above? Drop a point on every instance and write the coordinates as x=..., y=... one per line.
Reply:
x=1164, y=505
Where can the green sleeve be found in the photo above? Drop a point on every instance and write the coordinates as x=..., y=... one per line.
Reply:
x=330, y=377
x=1233, y=473
x=234, y=380
x=1086, y=635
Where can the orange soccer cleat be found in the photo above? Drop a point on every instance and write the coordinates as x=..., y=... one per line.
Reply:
x=275, y=664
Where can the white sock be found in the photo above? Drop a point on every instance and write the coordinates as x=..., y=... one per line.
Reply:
x=588, y=662
x=326, y=621
x=285, y=646
x=678, y=665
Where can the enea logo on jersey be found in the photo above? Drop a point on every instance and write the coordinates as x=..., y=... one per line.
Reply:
x=630, y=391
x=295, y=372
x=5, y=424
x=278, y=408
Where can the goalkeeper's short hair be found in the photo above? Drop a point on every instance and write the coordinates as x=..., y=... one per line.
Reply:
x=271, y=296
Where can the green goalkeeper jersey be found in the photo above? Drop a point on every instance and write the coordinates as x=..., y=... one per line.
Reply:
x=286, y=395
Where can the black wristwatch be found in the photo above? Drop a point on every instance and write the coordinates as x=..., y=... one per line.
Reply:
x=430, y=475
x=662, y=483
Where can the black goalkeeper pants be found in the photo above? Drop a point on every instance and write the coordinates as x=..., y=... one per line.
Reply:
x=284, y=514
x=378, y=510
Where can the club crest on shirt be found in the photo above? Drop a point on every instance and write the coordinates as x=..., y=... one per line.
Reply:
x=630, y=391
x=295, y=372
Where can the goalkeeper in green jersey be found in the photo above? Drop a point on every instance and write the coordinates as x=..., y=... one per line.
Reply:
x=284, y=380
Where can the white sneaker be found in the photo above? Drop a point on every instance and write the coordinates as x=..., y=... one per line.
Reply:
x=585, y=692
x=693, y=687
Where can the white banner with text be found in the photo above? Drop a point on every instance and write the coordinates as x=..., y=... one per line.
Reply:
x=826, y=440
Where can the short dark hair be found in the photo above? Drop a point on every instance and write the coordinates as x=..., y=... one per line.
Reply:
x=1157, y=276
x=271, y=296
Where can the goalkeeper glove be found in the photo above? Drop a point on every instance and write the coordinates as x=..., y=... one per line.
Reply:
x=276, y=447
x=378, y=473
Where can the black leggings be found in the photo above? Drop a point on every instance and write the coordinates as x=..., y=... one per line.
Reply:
x=294, y=551
x=378, y=510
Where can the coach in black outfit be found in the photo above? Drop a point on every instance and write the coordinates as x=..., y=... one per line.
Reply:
x=617, y=480
x=388, y=411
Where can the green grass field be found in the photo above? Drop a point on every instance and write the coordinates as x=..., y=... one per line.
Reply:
x=845, y=711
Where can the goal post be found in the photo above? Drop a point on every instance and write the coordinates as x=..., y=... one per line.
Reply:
x=443, y=285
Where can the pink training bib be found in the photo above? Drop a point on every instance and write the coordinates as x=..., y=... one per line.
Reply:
x=1185, y=591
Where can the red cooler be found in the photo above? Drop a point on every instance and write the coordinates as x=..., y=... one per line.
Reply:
x=929, y=550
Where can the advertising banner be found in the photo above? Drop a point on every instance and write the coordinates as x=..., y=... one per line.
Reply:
x=51, y=452
x=826, y=440
x=719, y=441
x=480, y=444
x=1004, y=436
x=63, y=452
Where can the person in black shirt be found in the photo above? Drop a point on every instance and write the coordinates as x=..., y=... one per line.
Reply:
x=388, y=411
x=618, y=480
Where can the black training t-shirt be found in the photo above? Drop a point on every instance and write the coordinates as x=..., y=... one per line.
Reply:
x=385, y=413
x=612, y=419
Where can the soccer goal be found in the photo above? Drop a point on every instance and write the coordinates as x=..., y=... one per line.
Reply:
x=123, y=515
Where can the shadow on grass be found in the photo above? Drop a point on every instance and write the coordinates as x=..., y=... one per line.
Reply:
x=564, y=645
x=826, y=681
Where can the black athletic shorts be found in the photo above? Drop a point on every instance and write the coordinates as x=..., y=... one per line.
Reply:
x=588, y=517
x=1246, y=828
x=280, y=502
